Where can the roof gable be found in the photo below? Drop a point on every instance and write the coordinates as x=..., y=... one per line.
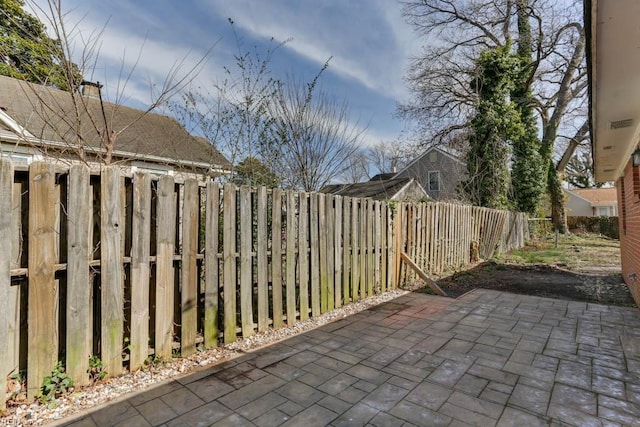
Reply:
x=425, y=154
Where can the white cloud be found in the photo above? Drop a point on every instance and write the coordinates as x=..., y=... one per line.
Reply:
x=375, y=57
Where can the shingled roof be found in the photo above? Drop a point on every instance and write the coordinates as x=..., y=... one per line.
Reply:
x=378, y=189
x=598, y=196
x=48, y=114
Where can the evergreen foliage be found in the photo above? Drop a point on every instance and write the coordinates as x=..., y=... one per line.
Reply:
x=28, y=53
x=252, y=171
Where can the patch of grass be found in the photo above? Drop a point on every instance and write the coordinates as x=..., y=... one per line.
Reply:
x=575, y=251
x=537, y=256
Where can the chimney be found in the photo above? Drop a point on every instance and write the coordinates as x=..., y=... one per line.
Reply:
x=91, y=89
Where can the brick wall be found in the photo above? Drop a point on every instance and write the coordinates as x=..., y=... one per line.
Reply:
x=629, y=204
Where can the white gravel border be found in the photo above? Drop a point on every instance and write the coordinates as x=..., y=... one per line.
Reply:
x=121, y=387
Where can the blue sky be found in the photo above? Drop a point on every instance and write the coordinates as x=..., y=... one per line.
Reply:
x=368, y=40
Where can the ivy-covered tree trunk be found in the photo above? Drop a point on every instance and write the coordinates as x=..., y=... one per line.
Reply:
x=528, y=171
x=495, y=123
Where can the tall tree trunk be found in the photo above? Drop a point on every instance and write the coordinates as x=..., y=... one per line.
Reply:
x=528, y=172
x=555, y=178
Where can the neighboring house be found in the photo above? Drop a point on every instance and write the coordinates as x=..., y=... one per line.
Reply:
x=38, y=122
x=380, y=188
x=438, y=172
x=613, y=61
x=591, y=202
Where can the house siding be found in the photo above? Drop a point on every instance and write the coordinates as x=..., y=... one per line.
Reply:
x=577, y=207
x=451, y=173
x=630, y=231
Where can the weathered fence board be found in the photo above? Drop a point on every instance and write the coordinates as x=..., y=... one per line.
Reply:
x=246, y=264
x=314, y=215
x=230, y=273
x=262, y=260
x=211, y=268
x=15, y=312
x=43, y=291
x=111, y=271
x=140, y=270
x=329, y=299
x=292, y=236
x=276, y=258
x=303, y=255
x=337, y=252
x=6, y=194
x=79, y=328
x=322, y=241
x=362, y=256
x=189, y=268
x=355, y=249
x=166, y=240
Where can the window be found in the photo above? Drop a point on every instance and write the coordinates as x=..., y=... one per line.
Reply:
x=603, y=211
x=433, y=157
x=434, y=181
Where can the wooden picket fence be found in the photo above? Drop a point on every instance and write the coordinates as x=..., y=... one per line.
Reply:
x=126, y=267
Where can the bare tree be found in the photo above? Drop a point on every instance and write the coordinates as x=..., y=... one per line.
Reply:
x=389, y=157
x=233, y=115
x=458, y=30
x=310, y=136
x=357, y=168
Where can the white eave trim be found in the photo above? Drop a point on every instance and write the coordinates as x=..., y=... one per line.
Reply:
x=16, y=139
x=8, y=121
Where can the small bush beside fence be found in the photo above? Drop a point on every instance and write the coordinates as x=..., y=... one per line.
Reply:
x=119, y=268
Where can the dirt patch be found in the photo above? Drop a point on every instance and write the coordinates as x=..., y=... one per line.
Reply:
x=580, y=268
x=540, y=280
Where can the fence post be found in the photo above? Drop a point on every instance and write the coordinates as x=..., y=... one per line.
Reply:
x=6, y=191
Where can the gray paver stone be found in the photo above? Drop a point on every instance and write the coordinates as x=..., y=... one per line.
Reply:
x=419, y=415
x=529, y=398
x=202, y=416
x=385, y=397
x=314, y=416
x=512, y=417
x=359, y=415
x=429, y=395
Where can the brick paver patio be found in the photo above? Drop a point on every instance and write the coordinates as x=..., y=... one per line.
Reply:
x=487, y=358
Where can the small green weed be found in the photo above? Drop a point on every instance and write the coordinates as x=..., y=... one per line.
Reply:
x=152, y=360
x=55, y=385
x=96, y=369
